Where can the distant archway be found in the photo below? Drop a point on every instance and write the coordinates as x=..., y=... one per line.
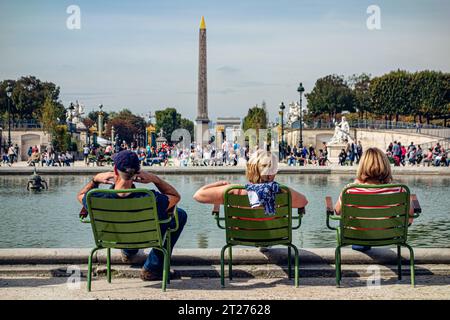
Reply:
x=28, y=140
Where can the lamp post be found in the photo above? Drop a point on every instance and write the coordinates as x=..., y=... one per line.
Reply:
x=100, y=121
x=281, y=112
x=300, y=90
x=9, y=93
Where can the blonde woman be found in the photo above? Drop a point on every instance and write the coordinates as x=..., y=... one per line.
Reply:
x=374, y=168
x=261, y=170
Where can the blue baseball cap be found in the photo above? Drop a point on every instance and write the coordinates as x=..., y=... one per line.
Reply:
x=127, y=161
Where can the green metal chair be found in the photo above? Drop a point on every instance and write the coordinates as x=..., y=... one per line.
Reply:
x=129, y=223
x=248, y=226
x=357, y=225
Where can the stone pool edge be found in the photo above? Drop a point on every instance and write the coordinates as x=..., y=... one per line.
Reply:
x=441, y=171
x=241, y=256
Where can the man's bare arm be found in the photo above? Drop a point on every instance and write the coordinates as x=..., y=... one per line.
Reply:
x=104, y=177
x=89, y=186
x=163, y=186
x=167, y=189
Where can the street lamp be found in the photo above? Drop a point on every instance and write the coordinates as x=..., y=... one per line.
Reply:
x=9, y=93
x=281, y=112
x=300, y=90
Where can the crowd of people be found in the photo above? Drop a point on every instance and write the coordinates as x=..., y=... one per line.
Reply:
x=9, y=155
x=227, y=154
x=351, y=154
x=413, y=155
x=303, y=155
x=49, y=157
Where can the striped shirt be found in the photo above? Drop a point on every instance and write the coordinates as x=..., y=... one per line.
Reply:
x=368, y=191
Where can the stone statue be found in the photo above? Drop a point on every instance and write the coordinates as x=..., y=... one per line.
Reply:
x=341, y=133
x=74, y=113
x=69, y=113
x=294, y=113
x=35, y=182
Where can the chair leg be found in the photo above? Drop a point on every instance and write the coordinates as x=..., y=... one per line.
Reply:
x=296, y=264
x=411, y=262
x=108, y=264
x=89, y=279
x=222, y=266
x=169, y=252
x=399, y=262
x=165, y=269
x=289, y=263
x=338, y=266
x=230, y=263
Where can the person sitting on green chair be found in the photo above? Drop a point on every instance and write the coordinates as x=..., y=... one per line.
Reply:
x=126, y=172
x=261, y=170
x=374, y=168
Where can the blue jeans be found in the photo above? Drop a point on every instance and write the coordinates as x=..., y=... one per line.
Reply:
x=361, y=248
x=155, y=259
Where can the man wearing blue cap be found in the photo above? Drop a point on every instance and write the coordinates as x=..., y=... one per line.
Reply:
x=126, y=172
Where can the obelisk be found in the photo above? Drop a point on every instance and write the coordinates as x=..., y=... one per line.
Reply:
x=202, y=120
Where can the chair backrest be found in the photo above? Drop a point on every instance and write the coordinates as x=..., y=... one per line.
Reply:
x=251, y=226
x=375, y=214
x=124, y=223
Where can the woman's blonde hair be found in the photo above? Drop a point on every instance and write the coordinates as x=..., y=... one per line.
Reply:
x=261, y=165
x=374, y=166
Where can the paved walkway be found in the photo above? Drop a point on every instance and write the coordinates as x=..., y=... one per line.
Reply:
x=81, y=168
x=428, y=287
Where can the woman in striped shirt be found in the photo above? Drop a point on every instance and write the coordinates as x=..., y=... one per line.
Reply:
x=374, y=168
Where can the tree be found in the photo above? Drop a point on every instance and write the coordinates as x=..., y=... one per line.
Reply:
x=168, y=120
x=256, y=118
x=330, y=95
x=51, y=124
x=360, y=85
x=28, y=97
x=430, y=94
x=391, y=94
x=93, y=115
x=188, y=125
x=88, y=122
x=49, y=116
x=61, y=138
x=126, y=125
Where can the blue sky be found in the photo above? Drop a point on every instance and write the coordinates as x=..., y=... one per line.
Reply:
x=143, y=54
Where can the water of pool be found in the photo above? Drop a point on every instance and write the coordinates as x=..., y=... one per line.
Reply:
x=50, y=218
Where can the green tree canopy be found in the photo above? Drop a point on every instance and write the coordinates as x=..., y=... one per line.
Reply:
x=430, y=94
x=169, y=120
x=360, y=85
x=256, y=118
x=330, y=95
x=28, y=97
x=391, y=94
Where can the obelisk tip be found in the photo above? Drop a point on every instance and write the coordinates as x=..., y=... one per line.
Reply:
x=202, y=23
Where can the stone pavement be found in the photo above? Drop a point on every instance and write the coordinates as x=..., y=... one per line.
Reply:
x=428, y=287
x=47, y=274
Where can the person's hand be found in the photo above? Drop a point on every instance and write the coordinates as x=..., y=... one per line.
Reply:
x=145, y=177
x=105, y=178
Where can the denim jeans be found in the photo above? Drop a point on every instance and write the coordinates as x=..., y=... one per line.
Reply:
x=361, y=248
x=155, y=259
